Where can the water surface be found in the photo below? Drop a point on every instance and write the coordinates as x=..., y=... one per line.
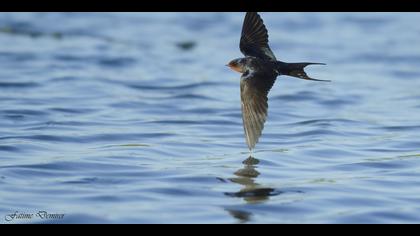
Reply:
x=133, y=117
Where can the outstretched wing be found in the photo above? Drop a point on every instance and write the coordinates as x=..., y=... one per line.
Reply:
x=254, y=38
x=254, y=91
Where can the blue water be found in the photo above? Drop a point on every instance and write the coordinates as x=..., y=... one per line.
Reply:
x=133, y=118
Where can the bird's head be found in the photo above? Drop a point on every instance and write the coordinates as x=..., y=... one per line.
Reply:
x=237, y=65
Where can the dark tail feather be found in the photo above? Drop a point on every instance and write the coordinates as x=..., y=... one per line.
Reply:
x=297, y=70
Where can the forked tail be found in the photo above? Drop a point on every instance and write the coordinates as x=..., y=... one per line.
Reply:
x=297, y=70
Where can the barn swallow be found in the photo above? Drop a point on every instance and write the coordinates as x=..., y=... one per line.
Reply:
x=259, y=69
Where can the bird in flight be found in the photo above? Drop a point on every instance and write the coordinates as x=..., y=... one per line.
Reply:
x=259, y=69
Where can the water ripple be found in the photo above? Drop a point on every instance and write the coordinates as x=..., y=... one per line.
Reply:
x=15, y=85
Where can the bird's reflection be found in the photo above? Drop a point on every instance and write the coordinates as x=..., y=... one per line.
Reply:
x=251, y=191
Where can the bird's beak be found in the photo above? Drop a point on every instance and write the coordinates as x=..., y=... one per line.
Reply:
x=320, y=80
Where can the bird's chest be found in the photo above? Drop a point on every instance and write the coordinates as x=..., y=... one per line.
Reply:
x=257, y=66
